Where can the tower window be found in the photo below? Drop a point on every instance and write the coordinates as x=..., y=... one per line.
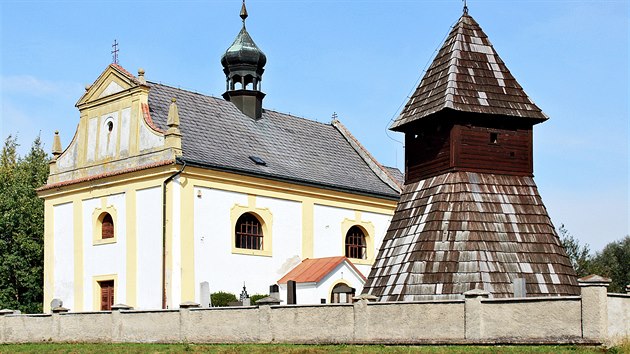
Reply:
x=249, y=232
x=494, y=138
x=355, y=243
x=110, y=126
x=107, y=226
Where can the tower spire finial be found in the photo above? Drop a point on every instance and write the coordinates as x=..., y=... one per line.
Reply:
x=243, y=12
x=465, y=7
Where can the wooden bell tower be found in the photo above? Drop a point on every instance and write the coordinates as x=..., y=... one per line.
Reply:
x=470, y=216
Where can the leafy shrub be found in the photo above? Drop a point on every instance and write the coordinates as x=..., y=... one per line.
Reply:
x=222, y=298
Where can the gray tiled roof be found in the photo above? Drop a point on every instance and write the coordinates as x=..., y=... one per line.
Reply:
x=215, y=134
x=468, y=75
x=460, y=231
x=396, y=174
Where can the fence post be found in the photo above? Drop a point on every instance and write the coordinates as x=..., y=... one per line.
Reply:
x=185, y=323
x=594, y=307
x=472, y=313
x=265, y=328
x=362, y=317
x=2, y=324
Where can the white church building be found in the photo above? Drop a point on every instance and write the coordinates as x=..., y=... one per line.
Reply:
x=163, y=189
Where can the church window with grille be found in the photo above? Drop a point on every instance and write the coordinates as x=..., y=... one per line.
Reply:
x=249, y=232
x=355, y=243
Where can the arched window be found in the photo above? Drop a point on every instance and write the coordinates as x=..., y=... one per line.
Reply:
x=355, y=243
x=249, y=232
x=107, y=226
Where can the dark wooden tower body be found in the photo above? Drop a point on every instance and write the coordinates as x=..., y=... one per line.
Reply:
x=470, y=215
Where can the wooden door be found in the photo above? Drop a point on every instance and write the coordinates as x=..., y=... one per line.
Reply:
x=107, y=294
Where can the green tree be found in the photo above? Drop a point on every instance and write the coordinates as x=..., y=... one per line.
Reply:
x=222, y=298
x=614, y=262
x=22, y=227
x=580, y=255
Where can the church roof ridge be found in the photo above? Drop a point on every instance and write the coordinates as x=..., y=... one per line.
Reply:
x=467, y=75
x=221, y=99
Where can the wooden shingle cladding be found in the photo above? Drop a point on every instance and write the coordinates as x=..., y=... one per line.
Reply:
x=467, y=75
x=462, y=230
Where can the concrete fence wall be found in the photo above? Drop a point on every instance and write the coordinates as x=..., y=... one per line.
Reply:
x=593, y=317
x=618, y=316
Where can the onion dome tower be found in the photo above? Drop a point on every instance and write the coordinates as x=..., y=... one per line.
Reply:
x=470, y=216
x=243, y=65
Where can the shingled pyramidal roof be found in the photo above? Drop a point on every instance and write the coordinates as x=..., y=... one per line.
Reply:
x=463, y=229
x=467, y=75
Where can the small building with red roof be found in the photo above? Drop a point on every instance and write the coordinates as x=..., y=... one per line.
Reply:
x=324, y=280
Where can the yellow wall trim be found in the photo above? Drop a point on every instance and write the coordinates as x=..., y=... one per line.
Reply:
x=131, y=230
x=187, y=239
x=49, y=254
x=288, y=191
x=77, y=210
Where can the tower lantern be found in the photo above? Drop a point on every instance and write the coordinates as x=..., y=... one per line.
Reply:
x=243, y=65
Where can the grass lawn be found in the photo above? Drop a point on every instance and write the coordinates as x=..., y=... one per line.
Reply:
x=288, y=348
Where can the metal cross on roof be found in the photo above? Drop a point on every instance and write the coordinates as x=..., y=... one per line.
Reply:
x=334, y=115
x=115, y=52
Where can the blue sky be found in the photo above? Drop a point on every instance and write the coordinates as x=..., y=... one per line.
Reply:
x=360, y=59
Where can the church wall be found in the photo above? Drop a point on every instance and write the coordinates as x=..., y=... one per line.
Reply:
x=327, y=223
x=215, y=261
x=70, y=215
x=149, y=245
x=64, y=245
x=297, y=217
x=332, y=223
x=199, y=235
x=107, y=260
x=212, y=242
x=286, y=234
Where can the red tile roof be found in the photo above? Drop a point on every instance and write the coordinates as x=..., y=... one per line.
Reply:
x=126, y=73
x=146, y=113
x=104, y=175
x=312, y=270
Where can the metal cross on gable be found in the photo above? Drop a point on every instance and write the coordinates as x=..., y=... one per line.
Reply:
x=115, y=52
